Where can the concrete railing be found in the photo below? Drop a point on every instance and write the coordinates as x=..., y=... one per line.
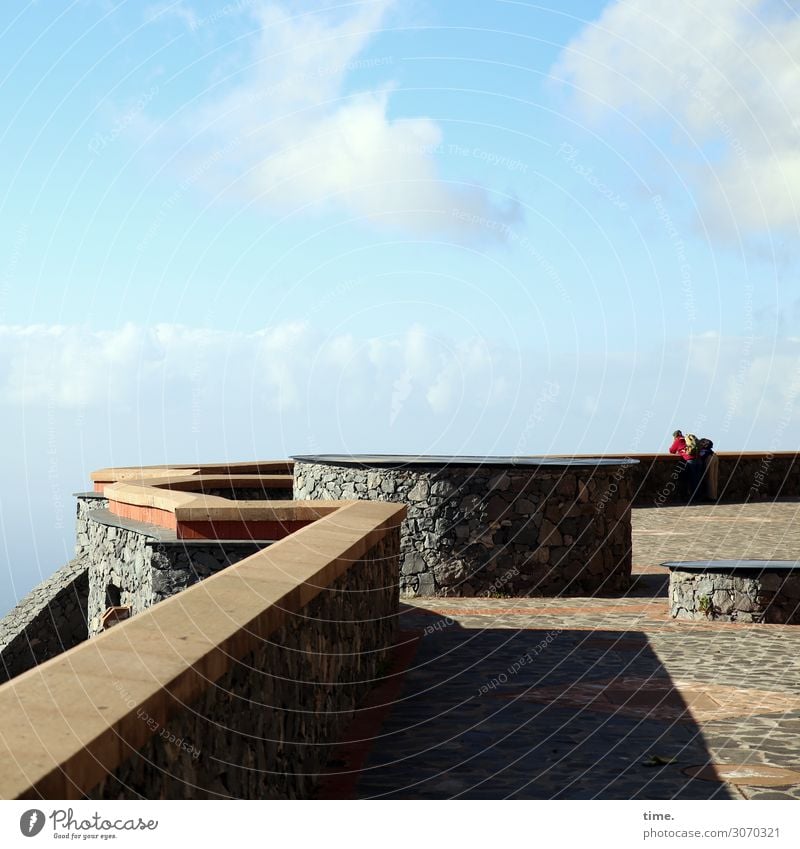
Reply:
x=233, y=688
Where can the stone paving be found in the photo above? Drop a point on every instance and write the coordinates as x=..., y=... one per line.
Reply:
x=590, y=698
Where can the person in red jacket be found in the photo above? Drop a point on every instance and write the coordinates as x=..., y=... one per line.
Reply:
x=678, y=445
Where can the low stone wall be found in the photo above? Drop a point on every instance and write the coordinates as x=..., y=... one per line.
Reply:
x=768, y=597
x=50, y=619
x=743, y=476
x=265, y=729
x=144, y=564
x=482, y=530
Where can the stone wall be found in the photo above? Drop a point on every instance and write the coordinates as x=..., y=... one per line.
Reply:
x=265, y=729
x=52, y=616
x=86, y=502
x=135, y=564
x=50, y=619
x=482, y=530
x=769, y=597
x=743, y=476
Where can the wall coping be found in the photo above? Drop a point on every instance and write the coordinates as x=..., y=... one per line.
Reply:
x=153, y=501
x=66, y=724
x=733, y=567
x=254, y=467
x=193, y=483
x=164, y=536
x=665, y=455
x=422, y=461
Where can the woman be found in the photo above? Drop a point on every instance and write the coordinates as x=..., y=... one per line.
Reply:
x=694, y=464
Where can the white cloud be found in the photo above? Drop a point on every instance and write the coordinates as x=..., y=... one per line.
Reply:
x=727, y=71
x=410, y=390
x=288, y=366
x=288, y=132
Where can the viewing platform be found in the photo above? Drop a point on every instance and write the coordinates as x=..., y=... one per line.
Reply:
x=294, y=652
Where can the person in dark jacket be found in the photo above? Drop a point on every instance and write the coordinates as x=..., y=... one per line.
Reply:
x=710, y=468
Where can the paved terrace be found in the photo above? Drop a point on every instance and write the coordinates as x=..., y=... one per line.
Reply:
x=590, y=698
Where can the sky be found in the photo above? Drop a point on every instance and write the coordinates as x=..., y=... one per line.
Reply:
x=247, y=230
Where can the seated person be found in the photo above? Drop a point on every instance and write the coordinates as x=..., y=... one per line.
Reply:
x=694, y=465
x=684, y=482
x=678, y=444
x=710, y=468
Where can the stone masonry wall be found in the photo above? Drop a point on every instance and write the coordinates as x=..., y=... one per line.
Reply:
x=86, y=502
x=488, y=531
x=769, y=597
x=145, y=564
x=120, y=557
x=50, y=619
x=752, y=476
x=52, y=616
x=266, y=728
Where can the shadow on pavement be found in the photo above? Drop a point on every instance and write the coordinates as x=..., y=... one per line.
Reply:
x=527, y=714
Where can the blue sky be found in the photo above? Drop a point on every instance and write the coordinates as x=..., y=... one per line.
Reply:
x=238, y=230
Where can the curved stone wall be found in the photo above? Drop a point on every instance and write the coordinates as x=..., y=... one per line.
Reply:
x=489, y=528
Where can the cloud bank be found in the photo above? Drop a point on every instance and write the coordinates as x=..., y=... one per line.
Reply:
x=412, y=390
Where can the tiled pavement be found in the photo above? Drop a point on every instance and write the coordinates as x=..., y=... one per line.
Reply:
x=575, y=698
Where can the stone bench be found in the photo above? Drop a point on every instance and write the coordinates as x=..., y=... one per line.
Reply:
x=753, y=591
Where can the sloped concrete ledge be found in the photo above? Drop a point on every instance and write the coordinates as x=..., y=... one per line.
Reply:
x=260, y=665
